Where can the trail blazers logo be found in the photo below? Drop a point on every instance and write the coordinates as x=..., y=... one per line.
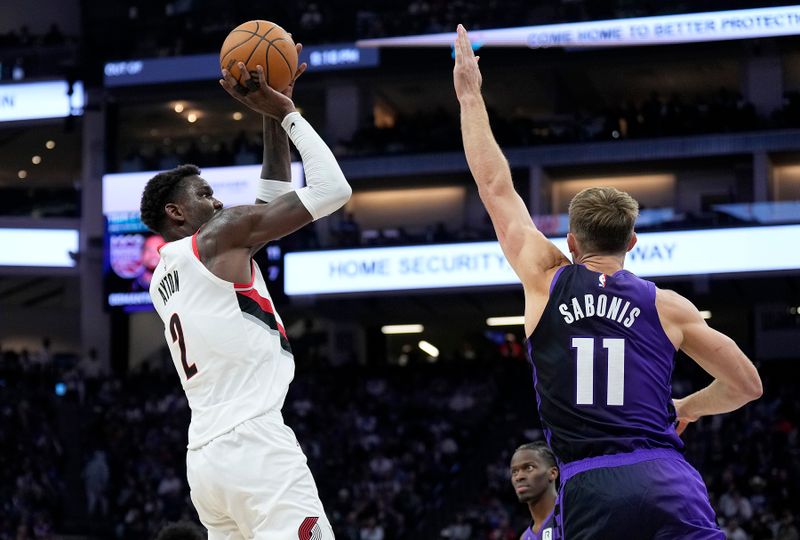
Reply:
x=310, y=529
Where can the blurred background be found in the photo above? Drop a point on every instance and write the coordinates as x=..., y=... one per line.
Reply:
x=409, y=430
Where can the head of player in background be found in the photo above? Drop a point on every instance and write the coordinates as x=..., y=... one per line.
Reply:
x=533, y=472
x=176, y=203
x=601, y=221
x=182, y=530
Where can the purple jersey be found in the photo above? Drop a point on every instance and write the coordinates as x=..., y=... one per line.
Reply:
x=546, y=532
x=602, y=366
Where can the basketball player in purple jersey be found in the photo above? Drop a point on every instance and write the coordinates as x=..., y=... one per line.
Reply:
x=602, y=344
x=534, y=473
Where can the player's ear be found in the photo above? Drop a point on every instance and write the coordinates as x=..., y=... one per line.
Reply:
x=572, y=244
x=174, y=212
x=552, y=474
x=631, y=242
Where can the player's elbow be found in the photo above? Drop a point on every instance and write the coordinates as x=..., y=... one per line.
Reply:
x=748, y=387
x=753, y=388
x=345, y=192
x=494, y=190
x=340, y=193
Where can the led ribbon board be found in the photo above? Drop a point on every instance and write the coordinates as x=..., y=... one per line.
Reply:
x=200, y=67
x=661, y=30
x=39, y=100
x=481, y=264
x=38, y=247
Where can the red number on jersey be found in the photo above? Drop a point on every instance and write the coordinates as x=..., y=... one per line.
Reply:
x=177, y=335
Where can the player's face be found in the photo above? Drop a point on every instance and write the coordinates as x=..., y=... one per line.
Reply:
x=198, y=201
x=530, y=475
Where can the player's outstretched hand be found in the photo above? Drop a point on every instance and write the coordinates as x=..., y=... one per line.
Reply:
x=466, y=73
x=261, y=97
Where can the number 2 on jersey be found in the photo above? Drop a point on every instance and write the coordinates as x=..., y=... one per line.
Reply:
x=584, y=394
x=176, y=331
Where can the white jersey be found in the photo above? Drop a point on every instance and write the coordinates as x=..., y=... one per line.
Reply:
x=227, y=342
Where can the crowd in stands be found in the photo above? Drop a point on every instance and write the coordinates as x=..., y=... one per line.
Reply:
x=32, y=465
x=241, y=149
x=724, y=111
x=24, y=54
x=420, y=449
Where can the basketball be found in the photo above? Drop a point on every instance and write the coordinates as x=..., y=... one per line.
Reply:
x=260, y=43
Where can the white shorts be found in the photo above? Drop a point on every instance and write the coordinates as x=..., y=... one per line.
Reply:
x=253, y=482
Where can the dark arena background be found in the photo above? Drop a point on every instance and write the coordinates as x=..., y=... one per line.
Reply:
x=408, y=430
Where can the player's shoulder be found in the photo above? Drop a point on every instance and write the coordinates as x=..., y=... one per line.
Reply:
x=670, y=299
x=222, y=220
x=223, y=230
x=674, y=307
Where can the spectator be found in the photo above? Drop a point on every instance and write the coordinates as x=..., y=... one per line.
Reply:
x=734, y=532
x=95, y=476
x=787, y=529
x=734, y=506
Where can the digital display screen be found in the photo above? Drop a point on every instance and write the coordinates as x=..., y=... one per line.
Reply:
x=201, y=67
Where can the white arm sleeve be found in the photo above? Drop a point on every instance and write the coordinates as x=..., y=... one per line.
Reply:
x=326, y=188
x=268, y=190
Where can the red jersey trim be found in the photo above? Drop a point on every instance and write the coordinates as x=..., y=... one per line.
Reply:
x=194, y=247
x=265, y=306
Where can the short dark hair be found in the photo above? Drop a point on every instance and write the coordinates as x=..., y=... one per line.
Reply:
x=183, y=530
x=542, y=449
x=160, y=190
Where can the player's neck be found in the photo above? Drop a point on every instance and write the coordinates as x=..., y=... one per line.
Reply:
x=541, y=509
x=607, y=264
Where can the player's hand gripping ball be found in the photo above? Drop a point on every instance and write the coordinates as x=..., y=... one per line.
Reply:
x=260, y=43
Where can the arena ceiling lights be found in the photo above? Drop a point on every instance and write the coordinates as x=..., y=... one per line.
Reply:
x=661, y=30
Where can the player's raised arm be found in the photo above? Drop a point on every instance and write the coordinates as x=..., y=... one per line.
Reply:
x=736, y=380
x=530, y=254
x=326, y=191
x=276, y=168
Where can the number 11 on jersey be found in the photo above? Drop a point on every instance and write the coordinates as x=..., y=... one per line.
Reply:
x=585, y=354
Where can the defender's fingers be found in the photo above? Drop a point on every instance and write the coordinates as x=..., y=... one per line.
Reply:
x=464, y=43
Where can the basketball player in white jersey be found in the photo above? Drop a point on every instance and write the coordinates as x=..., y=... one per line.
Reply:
x=247, y=473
